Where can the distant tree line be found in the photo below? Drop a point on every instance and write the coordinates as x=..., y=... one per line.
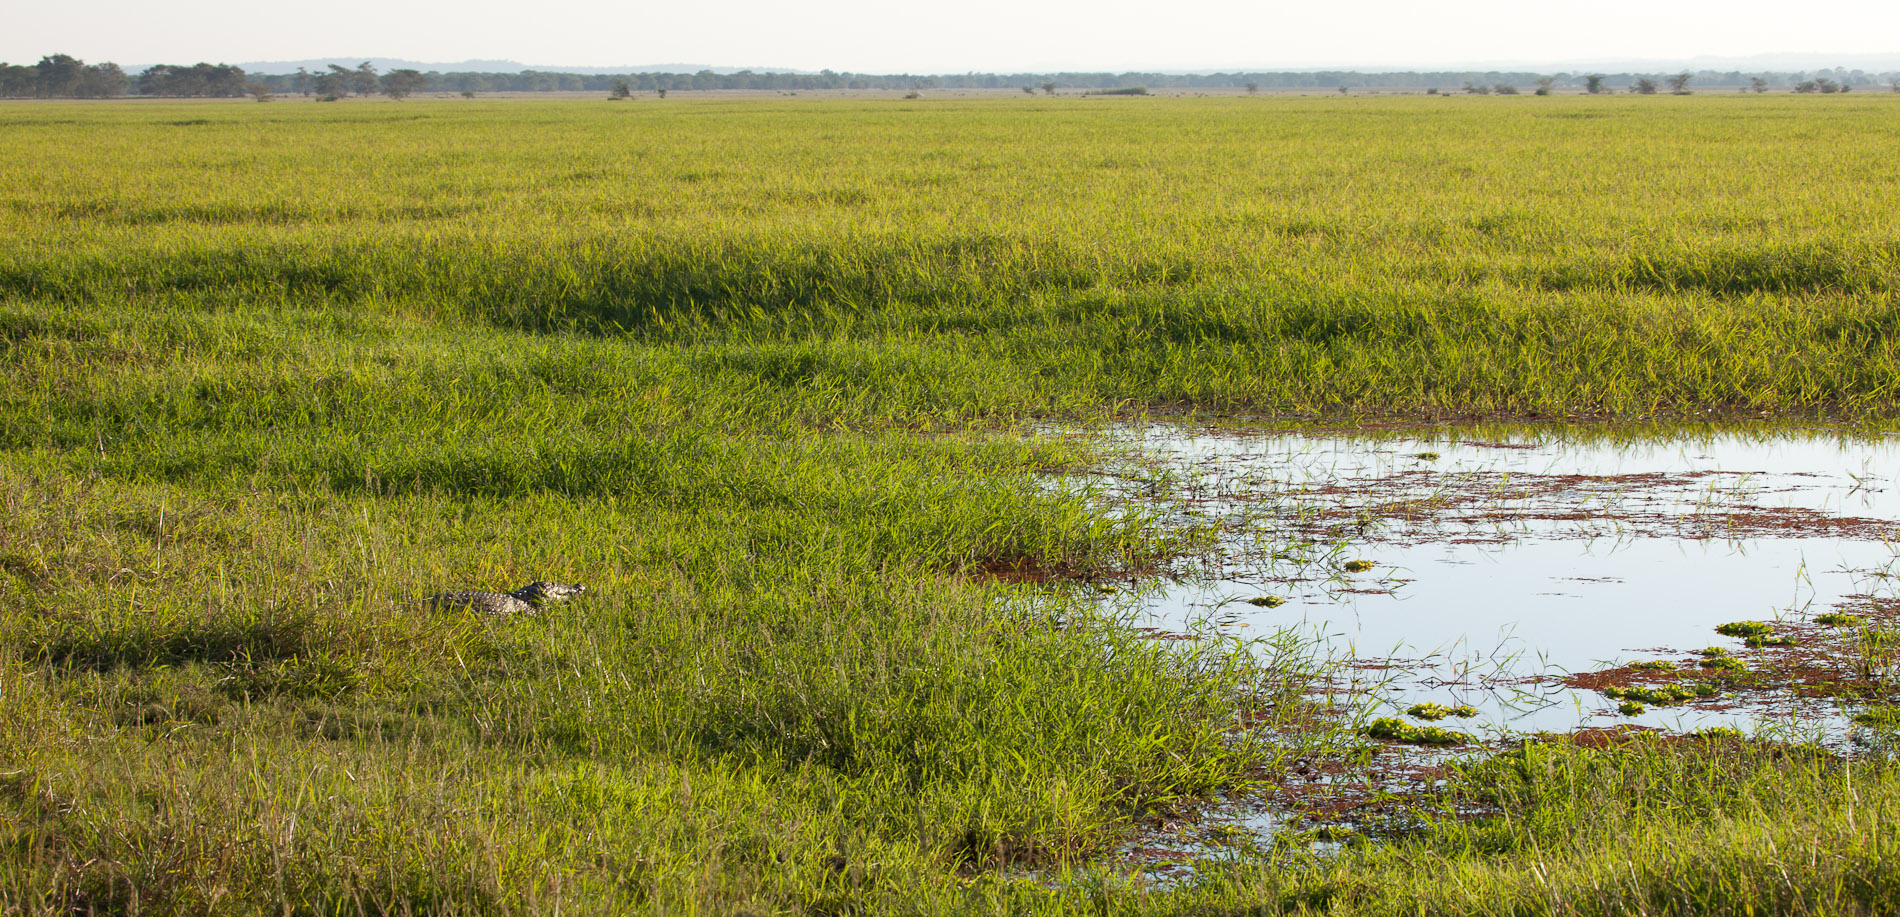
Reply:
x=546, y=81
x=198, y=81
x=63, y=76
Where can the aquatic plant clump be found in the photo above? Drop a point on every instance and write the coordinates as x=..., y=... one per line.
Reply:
x=1744, y=629
x=1267, y=601
x=1432, y=712
x=1356, y=566
x=1661, y=695
x=1392, y=729
x=1837, y=619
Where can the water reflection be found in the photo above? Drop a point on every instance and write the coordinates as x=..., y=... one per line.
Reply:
x=1500, y=562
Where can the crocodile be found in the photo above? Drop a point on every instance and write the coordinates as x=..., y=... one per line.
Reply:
x=525, y=600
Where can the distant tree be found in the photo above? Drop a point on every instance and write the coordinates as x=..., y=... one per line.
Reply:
x=1505, y=89
x=1757, y=85
x=363, y=79
x=1343, y=90
x=468, y=93
x=1253, y=88
x=60, y=76
x=17, y=81
x=621, y=90
x=260, y=91
x=329, y=86
x=1593, y=84
x=1432, y=91
x=301, y=82
x=1544, y=83
x=1679, y=84
x=1049, y=88
x=1826, y=85
x=1644, y=86
x=1894, y=83
x=102, y=81
x=1029, y=90
x=336, y=82
x=661, y=91
x=1474, y=89
x=401, y=84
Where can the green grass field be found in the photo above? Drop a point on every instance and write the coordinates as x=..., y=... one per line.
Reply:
x=767, y=376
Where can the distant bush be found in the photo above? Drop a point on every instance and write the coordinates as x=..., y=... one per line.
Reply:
x=1123, y=91
x=1644, y=86
x=1505, y=89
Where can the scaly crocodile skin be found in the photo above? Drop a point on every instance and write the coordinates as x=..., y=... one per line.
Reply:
x=521, y=601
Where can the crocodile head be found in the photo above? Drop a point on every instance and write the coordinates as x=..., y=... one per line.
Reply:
x=536, y=593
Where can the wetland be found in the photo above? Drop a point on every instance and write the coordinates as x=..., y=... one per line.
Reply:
x=1197, y=506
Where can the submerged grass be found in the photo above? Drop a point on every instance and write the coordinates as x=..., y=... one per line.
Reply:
x=758, y=374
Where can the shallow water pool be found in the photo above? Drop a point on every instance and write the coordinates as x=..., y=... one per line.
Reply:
x=1500, y=564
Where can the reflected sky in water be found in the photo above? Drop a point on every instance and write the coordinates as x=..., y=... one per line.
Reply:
x=1519, y=567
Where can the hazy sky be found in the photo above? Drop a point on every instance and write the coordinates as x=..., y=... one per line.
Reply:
x=946, y=37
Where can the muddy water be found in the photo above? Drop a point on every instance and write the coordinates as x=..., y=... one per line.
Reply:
x=1501, y=563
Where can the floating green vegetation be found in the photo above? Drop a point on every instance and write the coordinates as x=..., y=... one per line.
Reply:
x=1654, y=665
x=1725, y=664
x=1772, y=640
x=1426, y=456
x=1356, y=566
x=1267, y=601
x=1631, y=708
x=1392, y=729
x=1719, y=732
x=1838, y=619
x=1744, y=629
x=1711, y=652
x=1661, y=695
x=1433, y=712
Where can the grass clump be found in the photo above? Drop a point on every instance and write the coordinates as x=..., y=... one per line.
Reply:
x=1882, y=718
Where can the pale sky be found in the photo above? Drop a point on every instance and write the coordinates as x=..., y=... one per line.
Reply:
x=981, y=35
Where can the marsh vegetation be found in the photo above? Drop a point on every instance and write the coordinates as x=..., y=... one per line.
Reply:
x=775, y=379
